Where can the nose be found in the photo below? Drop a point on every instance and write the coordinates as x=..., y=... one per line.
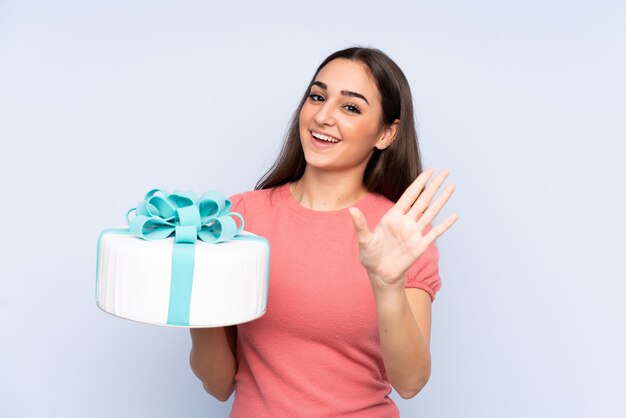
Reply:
x=324, y=115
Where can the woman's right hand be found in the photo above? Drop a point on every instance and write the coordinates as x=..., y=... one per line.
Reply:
x=213, y=359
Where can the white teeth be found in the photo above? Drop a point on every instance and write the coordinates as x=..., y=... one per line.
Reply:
x=324, y=137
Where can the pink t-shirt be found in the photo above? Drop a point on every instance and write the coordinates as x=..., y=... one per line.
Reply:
x=316, y=351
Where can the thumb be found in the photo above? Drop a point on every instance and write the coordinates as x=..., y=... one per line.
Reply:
x=359, y=222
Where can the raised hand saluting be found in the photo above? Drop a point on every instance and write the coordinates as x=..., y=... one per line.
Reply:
x=397, y=241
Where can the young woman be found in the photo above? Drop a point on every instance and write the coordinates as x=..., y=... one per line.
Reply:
x=348, y=212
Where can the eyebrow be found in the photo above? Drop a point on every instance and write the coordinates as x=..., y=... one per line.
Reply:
x=343, y=92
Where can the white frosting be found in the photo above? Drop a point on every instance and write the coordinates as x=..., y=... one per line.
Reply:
x=229, y=281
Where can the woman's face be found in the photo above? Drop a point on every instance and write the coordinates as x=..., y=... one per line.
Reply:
x=340, y=122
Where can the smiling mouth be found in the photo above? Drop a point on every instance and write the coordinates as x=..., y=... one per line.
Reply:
x=324, y=138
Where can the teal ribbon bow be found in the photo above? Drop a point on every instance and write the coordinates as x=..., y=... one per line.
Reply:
x=189, y=218
x=186, y=216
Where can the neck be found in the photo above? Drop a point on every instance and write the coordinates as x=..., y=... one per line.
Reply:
x=326, y=191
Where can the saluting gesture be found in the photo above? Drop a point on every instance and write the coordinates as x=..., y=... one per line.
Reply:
x=398, y=240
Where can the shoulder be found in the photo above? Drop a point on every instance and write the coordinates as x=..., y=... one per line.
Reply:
x=254, y=200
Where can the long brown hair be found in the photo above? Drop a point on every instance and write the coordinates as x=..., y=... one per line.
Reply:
x=388, y=172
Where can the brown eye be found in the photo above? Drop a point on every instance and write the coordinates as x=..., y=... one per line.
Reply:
x=352, y=108
x=316, y=97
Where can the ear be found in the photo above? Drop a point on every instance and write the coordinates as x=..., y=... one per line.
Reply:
x=388, y=135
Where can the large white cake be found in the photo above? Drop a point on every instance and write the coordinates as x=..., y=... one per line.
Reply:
x=230, y=279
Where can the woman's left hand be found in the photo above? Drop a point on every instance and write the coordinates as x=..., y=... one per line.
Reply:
x=397, y=242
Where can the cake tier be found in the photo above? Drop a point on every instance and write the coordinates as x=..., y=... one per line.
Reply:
x=230, y=279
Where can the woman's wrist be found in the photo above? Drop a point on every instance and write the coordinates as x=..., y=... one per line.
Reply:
x=386, y=283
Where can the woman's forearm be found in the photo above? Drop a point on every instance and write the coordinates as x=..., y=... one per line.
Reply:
x=405, y=348
x=212, y=359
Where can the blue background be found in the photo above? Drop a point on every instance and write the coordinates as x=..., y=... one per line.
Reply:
x=523, y=102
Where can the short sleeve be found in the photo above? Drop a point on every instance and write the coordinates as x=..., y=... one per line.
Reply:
x=424, y=274
x=238, y=205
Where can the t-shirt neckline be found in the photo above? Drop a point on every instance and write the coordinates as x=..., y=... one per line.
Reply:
x=287, y=198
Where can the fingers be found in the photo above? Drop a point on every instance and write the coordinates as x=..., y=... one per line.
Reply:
x=413, y=191
x=427, y=195
x=359, y=222
x=438, y=230
x=433, y=210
